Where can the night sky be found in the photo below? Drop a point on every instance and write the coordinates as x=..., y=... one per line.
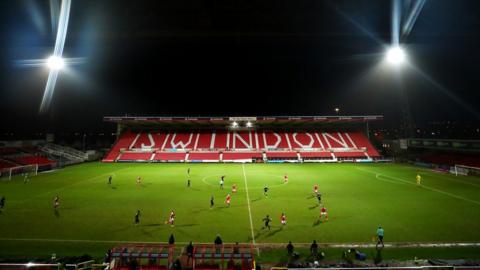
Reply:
x=244, y=58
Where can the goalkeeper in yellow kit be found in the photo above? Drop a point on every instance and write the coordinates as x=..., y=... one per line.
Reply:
x=419, y=180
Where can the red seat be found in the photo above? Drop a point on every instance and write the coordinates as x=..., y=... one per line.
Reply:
x=30, y=160
x=241, y=145
x=169, y=156
x=282, y=155
x=204, y=156
x=241, y=155
x=135, y=156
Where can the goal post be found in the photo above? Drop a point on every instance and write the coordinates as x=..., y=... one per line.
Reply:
x=8, y=173
x=464, y=170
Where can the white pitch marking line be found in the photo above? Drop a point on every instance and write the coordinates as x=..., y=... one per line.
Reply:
x=248, y=204
x=331, y=245
x=423, y=186
x=68, y=186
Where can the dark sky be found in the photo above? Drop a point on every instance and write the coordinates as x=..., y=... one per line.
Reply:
x=265, y=57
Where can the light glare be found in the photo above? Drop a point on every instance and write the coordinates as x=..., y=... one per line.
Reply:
x=55, y=62
x=396, y=55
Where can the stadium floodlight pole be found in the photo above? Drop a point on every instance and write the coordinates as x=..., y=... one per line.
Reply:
x=55, y=62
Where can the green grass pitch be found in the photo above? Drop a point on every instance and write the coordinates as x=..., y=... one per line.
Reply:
x=359, y=197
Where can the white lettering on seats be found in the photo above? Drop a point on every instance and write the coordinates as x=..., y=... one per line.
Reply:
x=351, y=141
x=165, y=142
x=288, y=141
x=340, y=142
x=320, y=141
x=212, y=141
x=303, y=145
x=152, y=143
x=228, y=140
x=196, y=141
x=242, y=140
x=275, y=145
x=134, y=141
x=180, y=143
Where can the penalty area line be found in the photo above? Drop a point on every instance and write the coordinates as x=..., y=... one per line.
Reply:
x=422, y=186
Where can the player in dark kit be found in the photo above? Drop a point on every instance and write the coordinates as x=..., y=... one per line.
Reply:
x=265, y=191
x=188, y=183
x=2, y=203
x=212, y=203
x=222, y=181
x=319, y=198
x=110, y=180
x=267, y=220
x=137, y=217
x=56, y=202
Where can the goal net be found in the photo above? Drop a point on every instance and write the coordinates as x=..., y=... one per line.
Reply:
x=465, y=170
x=26, y=170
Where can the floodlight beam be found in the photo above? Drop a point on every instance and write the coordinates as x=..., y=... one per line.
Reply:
x=396, y=17
x=58, y=51
x=412, y=17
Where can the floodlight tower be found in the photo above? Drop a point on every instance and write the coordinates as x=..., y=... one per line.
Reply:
x=396, y=58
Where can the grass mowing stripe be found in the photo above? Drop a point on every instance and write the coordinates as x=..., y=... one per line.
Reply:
x=436, y=175
x=248, y=205
x=68, y=186
x=423, y=186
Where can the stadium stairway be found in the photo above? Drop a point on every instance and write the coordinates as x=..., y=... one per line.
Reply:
x=73, y=155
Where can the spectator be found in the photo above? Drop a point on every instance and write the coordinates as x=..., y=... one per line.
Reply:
x=171, y=239
x=189, y=252
x=314, y=249
x=359, y=255
x=2, y=203
x=218, y=240
x=133, y=264
x=236, y=248
x=290, y=248
x=177, y=265
x=108, y=256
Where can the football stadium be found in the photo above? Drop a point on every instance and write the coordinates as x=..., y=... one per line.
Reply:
x=202, y=135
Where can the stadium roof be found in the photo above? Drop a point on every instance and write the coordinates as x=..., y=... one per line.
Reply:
x=255, y=120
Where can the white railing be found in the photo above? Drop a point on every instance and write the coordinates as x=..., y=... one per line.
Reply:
x=66, y=152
